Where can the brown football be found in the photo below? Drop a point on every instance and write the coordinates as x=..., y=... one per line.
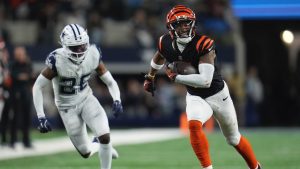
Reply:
x=183, y=68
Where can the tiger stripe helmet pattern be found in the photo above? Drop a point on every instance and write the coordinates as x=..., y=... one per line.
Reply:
x=177, y=14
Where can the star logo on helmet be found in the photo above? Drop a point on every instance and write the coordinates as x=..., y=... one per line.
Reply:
x=63, y=34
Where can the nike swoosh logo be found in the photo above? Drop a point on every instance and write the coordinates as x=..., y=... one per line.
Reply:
x=225, y=98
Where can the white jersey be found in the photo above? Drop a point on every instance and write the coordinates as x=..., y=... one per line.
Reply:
x=71, y=83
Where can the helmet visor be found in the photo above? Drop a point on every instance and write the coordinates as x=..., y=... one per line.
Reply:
x=78, y=51
x=182, y=23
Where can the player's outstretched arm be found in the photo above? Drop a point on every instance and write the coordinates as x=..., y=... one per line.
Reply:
x=112, y=86
x=42, y=81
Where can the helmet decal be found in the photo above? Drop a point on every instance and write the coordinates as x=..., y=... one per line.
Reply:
x=178, y=15
x=74, y=32
x=75, y=41
x=180, y=12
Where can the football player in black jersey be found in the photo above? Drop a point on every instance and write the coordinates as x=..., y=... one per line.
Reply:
x=207, y=92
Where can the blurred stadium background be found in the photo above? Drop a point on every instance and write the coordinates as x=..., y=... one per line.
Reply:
x=258, y=44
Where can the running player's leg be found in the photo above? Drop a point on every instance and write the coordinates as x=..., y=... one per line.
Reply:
x=225, y=114
x=95, y=117
x=198, y=112
x=115, y=154
x=76, y=130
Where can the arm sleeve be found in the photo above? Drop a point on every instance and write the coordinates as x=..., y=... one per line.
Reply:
x=112, y=85
x=201, y=80
x=38, y=86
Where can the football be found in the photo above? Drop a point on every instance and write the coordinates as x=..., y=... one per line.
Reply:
x=183, y=68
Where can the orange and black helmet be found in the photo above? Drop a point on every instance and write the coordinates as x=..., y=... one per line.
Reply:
x=178, y=13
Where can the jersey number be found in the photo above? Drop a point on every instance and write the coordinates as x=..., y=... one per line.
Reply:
x=68, y=85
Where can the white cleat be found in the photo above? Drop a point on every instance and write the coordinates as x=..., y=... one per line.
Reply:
x=114, y=153
x=259, y=167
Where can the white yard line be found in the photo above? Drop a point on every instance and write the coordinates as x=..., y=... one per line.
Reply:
x=118, y=137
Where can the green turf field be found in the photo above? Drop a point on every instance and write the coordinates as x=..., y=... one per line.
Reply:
x=36, y=135
x=276, y=149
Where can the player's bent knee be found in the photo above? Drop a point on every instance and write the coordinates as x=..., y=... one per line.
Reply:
x=233, y=140
x=104, y=139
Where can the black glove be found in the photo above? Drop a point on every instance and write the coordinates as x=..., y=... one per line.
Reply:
x=149, y=85
x=44, y=125
x=117, y=108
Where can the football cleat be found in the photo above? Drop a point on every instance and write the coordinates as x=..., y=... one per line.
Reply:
x=259, y=167
x=114, y=152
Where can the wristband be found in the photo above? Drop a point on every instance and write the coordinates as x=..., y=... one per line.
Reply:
x=156, y=66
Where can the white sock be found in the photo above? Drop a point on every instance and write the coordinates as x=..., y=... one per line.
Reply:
x=209, y=167
x=94, y=147
x=105, y=156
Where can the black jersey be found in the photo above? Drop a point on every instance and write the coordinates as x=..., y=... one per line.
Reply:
x=199, y=46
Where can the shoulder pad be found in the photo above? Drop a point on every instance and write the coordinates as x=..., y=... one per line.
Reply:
x=205, y=45
x=100, y=52
x=96, y=51
x=161, y=42
x=51, y=61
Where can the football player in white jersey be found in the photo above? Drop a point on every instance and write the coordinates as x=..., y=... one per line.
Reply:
x=69, y=68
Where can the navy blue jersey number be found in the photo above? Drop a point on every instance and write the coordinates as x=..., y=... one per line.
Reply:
x=67, y=85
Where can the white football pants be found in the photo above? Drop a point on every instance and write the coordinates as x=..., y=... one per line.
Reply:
x=221, y=106
x=75, y=119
